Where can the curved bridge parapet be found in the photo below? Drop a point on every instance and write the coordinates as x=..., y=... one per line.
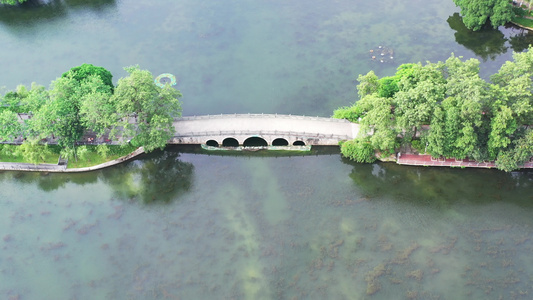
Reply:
x=269, y=127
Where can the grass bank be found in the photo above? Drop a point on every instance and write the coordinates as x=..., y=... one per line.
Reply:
x=9, y=153
x=524, y=22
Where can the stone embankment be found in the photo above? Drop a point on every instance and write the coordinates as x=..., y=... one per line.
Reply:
x=428, y=161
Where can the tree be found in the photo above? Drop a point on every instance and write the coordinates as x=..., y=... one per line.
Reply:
x=12, y=2
x=146, y=111
x=418, y=95
x=476, y=13
x=84, y=71
x=10, y=128
x=13, y=100
x=368, y=84
x=36, y=97
x=65, y=101
x=511, y=103
x=97, y=112
x=32, y=151
x=510, y=159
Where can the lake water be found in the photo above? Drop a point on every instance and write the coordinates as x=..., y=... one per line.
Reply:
x=178, y=225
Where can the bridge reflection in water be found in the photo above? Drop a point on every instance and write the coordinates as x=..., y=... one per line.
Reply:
x=262, y=130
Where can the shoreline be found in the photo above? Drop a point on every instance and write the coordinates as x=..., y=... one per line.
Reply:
x=425, y=160
x=53, y=168
x=405, y=159
x=522, y=26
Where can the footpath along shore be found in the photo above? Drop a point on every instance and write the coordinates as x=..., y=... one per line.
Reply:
x=427, y=160
x=57, y=168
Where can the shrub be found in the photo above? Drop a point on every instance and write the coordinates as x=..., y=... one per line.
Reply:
x=417, y=144
x=102, y=150
x=359, y=150
x=350, y=113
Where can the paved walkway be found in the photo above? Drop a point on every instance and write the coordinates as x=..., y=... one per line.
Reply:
x=328, y=130
x=427, y=160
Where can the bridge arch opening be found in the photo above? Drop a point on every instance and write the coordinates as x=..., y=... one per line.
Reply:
x=298, y=143
x=230, y=142
x=255, y=141
x=280, y=142
x=212, y=143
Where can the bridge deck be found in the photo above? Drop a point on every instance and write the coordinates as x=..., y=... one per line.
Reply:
x=328, y=130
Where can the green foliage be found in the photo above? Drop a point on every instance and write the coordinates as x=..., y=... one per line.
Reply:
x=467, y=116
x=102, y=150
x=85, y=71
x=350, y=113
x=519, y=12
x=7, y=151
x=520, y=152
x=476, y=13
x=359, y=150
x=82, y=153
x=65, y=117
x=379, y=123
x=368, y=84
x=418, y=95
x=32, y=151
x=418, y=145
x=523, y=21
x=97, y=112
x=10, y=127
x=152, y=107
x=388, y=86
x=68, y=153
x=12, y=2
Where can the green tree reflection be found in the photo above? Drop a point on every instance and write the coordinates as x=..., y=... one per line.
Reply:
x=521, y=40
x=158, y=177
x=485, y=43
x=33, y=13
x=441, y=187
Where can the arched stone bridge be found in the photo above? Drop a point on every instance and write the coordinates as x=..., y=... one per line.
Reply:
x=274, y=129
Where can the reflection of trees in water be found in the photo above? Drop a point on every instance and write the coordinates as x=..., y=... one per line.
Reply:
x=156, y=178
x=486, y=43
x=50, y=181
x=35, y=12
x=436, y=186
x=521, y=38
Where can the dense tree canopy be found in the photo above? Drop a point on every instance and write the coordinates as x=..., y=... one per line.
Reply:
x=477, y=13
x=152, y=108
x=83, y=101
x=84, y=71
x=467, y=116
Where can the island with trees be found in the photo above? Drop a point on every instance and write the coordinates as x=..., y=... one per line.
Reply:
x=446, y=109
x=82, y=107
x=478, y=14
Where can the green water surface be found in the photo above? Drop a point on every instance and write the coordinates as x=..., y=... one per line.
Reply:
x=177, y=225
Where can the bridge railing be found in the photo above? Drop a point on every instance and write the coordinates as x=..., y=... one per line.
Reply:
x=263, y=133
x=279, y=116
